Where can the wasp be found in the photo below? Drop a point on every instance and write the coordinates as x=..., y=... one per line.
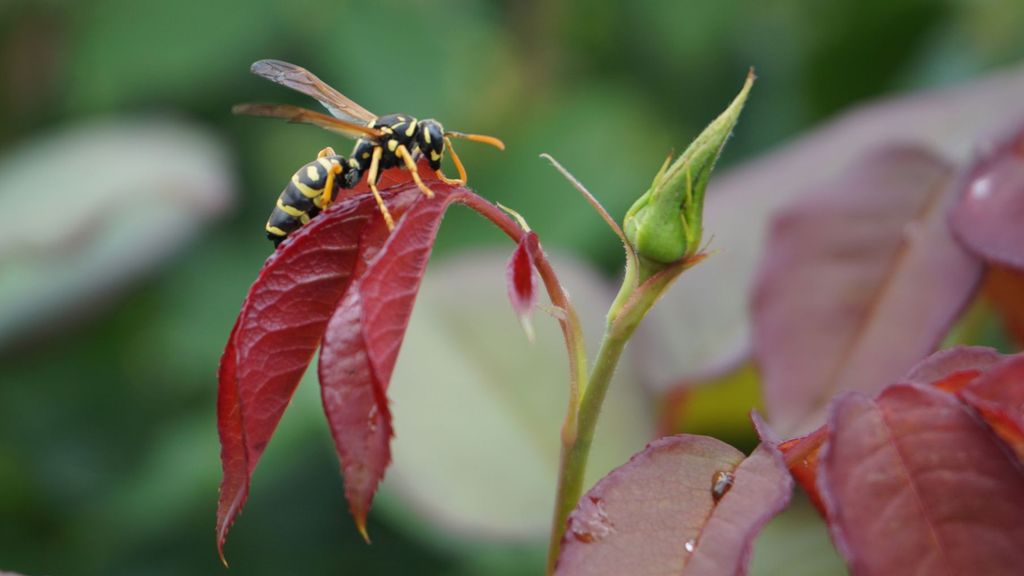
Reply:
x=382, y=142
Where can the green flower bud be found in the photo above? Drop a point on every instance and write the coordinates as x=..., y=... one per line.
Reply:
x=665, y=224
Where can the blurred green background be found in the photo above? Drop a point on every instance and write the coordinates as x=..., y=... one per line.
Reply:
x=116, y=141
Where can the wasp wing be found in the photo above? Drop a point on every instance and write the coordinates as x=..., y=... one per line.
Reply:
x=299, y=79
x=304, y=116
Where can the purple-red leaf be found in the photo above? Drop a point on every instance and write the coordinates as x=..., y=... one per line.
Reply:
x=989, y=212
x=859, y=281
x=286, y=313
x=685, y=505
x=998, y=396
x=362, y=340
x=953, y=368
x=274, y=338
x=801, y=458
x=914, y=483
x=522, y=281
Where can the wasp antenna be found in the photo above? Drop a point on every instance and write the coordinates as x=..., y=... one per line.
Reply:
x=490, y=140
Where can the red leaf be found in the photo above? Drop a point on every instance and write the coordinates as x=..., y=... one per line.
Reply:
x=801, y=458
x=658, y=513
x=998, y=396
x=990, y=209
x=286, y=313
x=522, y=281
x=361, y=344
x=913, y=482
x=952, y=369
x=274, y=338
x=859, y=281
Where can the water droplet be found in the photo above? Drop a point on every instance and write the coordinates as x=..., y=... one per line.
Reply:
x=590, y=522
x=981, y=189
x=690, y=545
x=721, y=482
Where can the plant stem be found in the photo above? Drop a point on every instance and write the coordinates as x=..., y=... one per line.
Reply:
x=570, y=323
x=633, y=306
x=575, y=451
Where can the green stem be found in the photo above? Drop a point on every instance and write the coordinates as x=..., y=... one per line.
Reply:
x=576, y=448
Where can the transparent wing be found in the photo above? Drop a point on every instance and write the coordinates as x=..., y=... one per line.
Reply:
x=304, y=116
x=299, y=79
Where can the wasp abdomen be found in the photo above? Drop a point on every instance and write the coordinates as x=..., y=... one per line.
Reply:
x=303, y=198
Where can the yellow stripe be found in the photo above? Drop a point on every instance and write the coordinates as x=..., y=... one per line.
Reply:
x=392, y=144
x=434, y=155
x=304, y=218
x=289, y=210
x=325, y=163
x=426, y=136
x=411, y=129
x=312, y=173
x=306, y=190
x=276, y=231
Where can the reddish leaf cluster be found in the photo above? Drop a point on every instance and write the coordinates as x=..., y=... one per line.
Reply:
x=344, y=284
x=861, y=279
x=924, y=474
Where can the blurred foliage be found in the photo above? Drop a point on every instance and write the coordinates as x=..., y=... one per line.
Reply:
x=108, y=449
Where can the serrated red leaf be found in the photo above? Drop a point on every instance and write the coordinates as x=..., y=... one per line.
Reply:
x=914, y=483
x=660, y=513
x=286, y=312
x=859, y=281
x=522, y=281
x=990, y=208
x=998, y=396
x=361, y=344
x=275, y=336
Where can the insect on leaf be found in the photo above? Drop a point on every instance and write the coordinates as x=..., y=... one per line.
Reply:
x=324, y=270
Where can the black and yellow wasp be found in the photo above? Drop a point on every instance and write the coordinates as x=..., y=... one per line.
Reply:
x=383, y=142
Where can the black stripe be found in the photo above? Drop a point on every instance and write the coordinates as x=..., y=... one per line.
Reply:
x=281, y=219
x=294, y=197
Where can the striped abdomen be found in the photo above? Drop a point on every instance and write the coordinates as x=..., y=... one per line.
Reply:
x=303, y=197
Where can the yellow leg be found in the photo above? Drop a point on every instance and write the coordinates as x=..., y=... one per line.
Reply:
x=326, y=152
x=371, y=179
x=325, y=200
x=458, y=166
x=403, y=153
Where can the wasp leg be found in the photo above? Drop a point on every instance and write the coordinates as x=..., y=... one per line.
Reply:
x=458, y=166
x=371, y=179
x=403, y=153
x=326, y=152
x=325, y=200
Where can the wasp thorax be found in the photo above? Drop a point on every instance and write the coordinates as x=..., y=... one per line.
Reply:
x=430, y=139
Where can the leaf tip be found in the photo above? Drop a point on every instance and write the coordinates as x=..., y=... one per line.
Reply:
x=361, y=527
